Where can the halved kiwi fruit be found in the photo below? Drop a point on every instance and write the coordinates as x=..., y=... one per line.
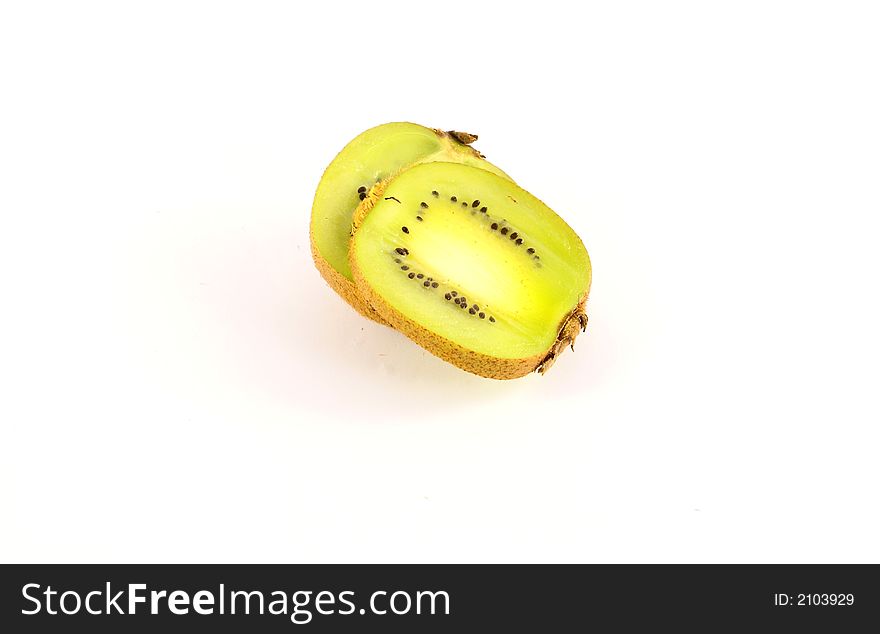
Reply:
x=373, y=156
x=472, y=267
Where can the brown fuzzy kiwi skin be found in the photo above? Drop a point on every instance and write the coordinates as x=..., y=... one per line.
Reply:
x=344, y=287
x=477, y=363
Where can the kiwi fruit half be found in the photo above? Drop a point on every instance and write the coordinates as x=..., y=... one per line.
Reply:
x=471, y=267
x=372, y=157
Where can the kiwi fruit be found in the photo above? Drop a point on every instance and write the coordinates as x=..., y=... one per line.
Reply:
x=471, y=267
x=370, y=158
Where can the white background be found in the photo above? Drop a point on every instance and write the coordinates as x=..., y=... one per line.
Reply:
x=178, y=383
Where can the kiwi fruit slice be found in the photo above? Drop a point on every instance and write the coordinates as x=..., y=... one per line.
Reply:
x=372, y=157
x=471, y=267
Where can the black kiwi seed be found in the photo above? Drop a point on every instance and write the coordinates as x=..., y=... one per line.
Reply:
x=476, y=203
x=362, y=195
x=483, y=209
x=463, y=298
x=434, y=194
x=463, y=304
x=454, y=293
x=402, y=251
x=464, y=204
x=419, y=218
x=476, y=307
x=426, y=284
x=492, y=319
x=411, y=275
x=430, y=279
x=454, y=199
x=404, y=229
x=458, y=300
x=472, y=311
x=504, y=231
x=434, y=285
x=518, y=241
x=424, y=205
x=404, y=268
x=448, y=296
x=420, y=275
x=494, y=225
x=530, y=250
x=361, y=190
x=513, y=235
x=397, y=260
x=482, y=315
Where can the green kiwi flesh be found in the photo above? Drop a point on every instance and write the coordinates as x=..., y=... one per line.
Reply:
x=373, y=156
x=472, y=267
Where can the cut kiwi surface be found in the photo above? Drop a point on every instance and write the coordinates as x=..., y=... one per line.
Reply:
x=472, y=267
x=372, y=157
